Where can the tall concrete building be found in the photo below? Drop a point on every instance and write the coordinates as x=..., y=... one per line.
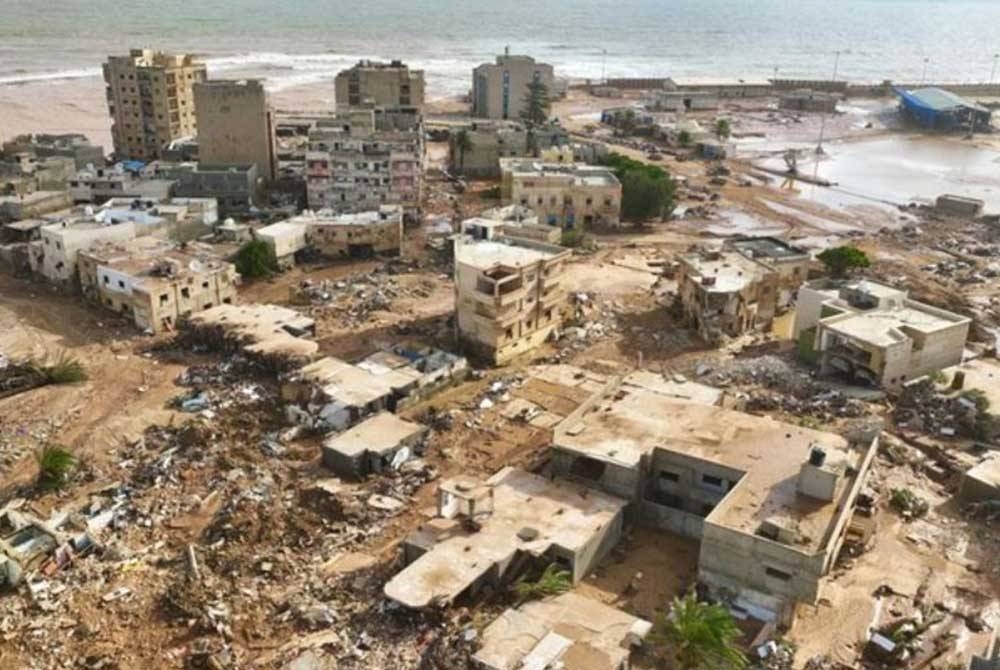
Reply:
x=378, y=84
x=235, y=125
x=151, y=100
x=499, y=89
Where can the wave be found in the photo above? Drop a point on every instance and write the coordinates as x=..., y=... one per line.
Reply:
x=22, y=77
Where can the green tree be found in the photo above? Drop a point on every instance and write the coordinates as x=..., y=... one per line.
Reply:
x=700, y=636
x=839, y=261
x=723, y=129
x=54, y=466
x=461, y=144
x=647, y=190
x=684, y=138
x=255, y=259
x=536, y=104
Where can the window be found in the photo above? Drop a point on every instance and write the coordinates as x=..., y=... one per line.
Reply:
x=121, y=284
x=668, y=476
x=713, y=482
x=204, y=284
x=777, y=574
x=186, y=292
x=106, y=279
x=164, y=298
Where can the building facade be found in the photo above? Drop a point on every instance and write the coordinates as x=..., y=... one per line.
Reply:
x=360, y=235
x=355, y=166
x=235, y=125
x=54, y=255
x=875, y=334
x=563, y=195
x=510, y=295
x=379, y=84
x=151, y=100
x=500, y=89
x=155, y=283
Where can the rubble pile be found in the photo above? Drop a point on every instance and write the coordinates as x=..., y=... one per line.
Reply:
x=922, y=408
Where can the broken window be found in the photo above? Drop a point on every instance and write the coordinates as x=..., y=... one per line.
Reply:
x=713, y=482
x=668, y=476
x=186, y=292
x=588, y=468
x=164, y=298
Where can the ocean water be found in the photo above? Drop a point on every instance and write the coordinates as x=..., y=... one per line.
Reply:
x=294, y=42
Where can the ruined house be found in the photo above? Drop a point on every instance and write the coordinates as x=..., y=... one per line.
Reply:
x=360, y=235
x=156, y=283
x=875, y=334
x=371, y=446
x=275, y=336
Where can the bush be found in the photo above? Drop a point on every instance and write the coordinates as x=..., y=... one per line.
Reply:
x=65, y=370
x=255, y=259
x=552, y=582
x=684, y=138
x=572, y=238
x=54, y=466
x=841, y=260
x=908, y=504
x=723, y=129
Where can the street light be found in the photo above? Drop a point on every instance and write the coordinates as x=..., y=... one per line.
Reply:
x=923, y=73
x=993, y=72
x=822, y=123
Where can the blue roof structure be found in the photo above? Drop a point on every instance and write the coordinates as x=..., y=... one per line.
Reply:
x=937, y=108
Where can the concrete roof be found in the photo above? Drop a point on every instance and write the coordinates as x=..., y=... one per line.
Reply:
x=488, y=254
x=882, y=327
x=732, y=271
x=379, y=434
x=580, y=632
x=354, y=385
x=671, y=388
x=988, y=471
x=767, y=247
x=262, y=327
x=562, y=513
x=633, y=422
x=327, y=217
x=142, y=256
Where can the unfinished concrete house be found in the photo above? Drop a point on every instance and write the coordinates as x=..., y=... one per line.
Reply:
x=730, y=292
x=372, y=446
x=379, y=84
x=770, y=502
x=156, y=283
x=565, y=631
x=509, y=295
x=874, y=334
x=274, y=336
x=563, y=195
x=486, y=533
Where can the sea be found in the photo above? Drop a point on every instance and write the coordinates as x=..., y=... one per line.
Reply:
x=292, y=43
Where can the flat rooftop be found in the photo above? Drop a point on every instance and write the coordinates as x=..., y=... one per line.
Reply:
x=356, y=385
x=629, y=424
x=732, y=271
x=264, y=329
x=487, y=254
x=885, y=327
x=568, y=631
x=152, y=257
x=988, y=471
x=590, y=175
x=327, y=217
x=380, y=434
x=558, y=513
x=767, y=247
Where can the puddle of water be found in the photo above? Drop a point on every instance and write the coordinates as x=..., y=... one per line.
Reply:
x=826, y=225
x=741, y=223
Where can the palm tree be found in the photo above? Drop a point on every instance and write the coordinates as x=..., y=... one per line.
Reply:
x=462, y=144
x=700, y=636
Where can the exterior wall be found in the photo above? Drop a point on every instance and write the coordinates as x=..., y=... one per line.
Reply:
x=558, y=200
x=380, y=85
x=383, y=237
x=732, y=313
x=284, y=240
x=588, y=557
x=488, y=145
x=501, y=326
x=54, y=255
x=499, y=89
x=151, y=101
x=617, y=480
x=235, y=125
x=14, y=208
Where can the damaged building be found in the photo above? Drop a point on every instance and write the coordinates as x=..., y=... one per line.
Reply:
x=372, y=446
x=770, y=502
x=155, y=283
x=563, y=195
x=360, y=235
x=54, y=254
x=509, y=295
x=486, y=533
x=875, y=334
x=275, y=336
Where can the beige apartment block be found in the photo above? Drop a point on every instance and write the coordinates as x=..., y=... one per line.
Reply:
x=156, y=283
x=563, y=195
x=151, y=100
x=771, y=503
x=875, y=334
x=361, y=235
x=739, y=289
x=510, y=295
x=380, y=84
x=500, y=89
x=54, y=255
x=235, y=125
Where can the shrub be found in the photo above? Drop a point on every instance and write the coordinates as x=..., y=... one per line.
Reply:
x=255, y=259
x=54, y=466
x=839, y=261
x=65, y=370
x=552, y=582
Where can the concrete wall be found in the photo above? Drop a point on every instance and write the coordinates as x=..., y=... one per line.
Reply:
x=500, y=89
x=557, y=200
x=235, y=125
x=381, y=85
x=54, y=256
x=362, y=240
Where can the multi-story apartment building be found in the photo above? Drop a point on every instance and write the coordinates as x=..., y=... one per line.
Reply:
x=379, y=84
x=151, y=100
x=564, y=195
x=155, y=283
x=360, y=235
x=475, y=150
x=356, y=165
x=510, y=295
x=499, y=89
x=875, y=334
x=235, y=125
x=741, y=288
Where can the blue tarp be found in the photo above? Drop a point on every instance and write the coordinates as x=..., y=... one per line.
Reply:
x=132, y=166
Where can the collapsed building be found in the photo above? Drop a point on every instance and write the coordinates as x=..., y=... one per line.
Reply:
x=372, y=446
x=741, y=288
x=155, y=283
x=485, y=533
x=563, y=195
x=875, y=334
x=358, y=161
x=771, y=503
x=379, y=84
x=360, y=235
x=509, y=295
x=32, y=205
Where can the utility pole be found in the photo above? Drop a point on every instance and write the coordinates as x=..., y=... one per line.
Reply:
x=993, y=71
x=822, y=123
x=604, y=66
x=923, y=73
